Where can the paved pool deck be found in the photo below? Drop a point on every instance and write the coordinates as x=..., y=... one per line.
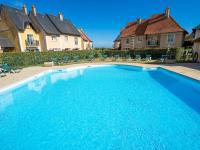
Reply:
x=191, y=70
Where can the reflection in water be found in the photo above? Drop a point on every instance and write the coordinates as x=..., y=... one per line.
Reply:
x=66, y=75
x=37, y=85
x=5, y=101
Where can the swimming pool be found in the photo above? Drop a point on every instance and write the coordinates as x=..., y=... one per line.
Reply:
x=102, y=107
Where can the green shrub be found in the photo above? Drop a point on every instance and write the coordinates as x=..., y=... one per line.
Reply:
x=38, y=58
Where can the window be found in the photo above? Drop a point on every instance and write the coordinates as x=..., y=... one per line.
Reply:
x=76, y=40
x=140, y=39
x=66, y=38
x=127, y=41
x=170, y=37
x=30, y=38
x=153, y=40
x=28, y=26
x=54, y=38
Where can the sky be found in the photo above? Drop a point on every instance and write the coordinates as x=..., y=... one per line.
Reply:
x=102, y=20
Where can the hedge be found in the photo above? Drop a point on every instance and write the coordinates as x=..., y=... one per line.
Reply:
x=36, y=58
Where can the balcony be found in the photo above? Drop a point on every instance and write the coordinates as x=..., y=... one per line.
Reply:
x=33, y=43
x=153, y=43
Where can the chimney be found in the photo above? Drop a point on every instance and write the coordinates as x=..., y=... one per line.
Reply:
x=24, y=9
x=34, y=10
x=139, y=21
x=60, y=16
x=167, y=12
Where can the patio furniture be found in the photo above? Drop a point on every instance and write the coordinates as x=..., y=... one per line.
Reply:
x=138, y=57
x=2, y=74
x=91, y=58
x=148, y=58
x=66, y=59
x=117, y=57
x=55, y=60
x=128, y=58
x=76, y=58
x=163, y=58
x=105, y=56
x=7, y=69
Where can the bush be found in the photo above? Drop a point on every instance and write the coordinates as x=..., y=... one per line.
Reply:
x=37, y=58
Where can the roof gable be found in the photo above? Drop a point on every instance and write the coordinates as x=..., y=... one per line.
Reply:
x=156, y=24
x=118, y=38
x=43, y=23
x=17, y=16
x=162, y=24
x=65, y=26
x=84, y=36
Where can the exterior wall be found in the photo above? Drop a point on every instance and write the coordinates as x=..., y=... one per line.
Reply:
x=69, y=43
x=197, y=34
x=53, y=44
x=86, y=45
x=23, y=38
x=140, y=42
x=130, y=45
x=116, y=44
x=179, y=39
x=196, y=47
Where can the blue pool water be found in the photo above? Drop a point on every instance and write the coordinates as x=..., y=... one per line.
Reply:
x=111, y=107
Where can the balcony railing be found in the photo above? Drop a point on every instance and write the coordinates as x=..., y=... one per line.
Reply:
x=153, y=43
x=34, y=43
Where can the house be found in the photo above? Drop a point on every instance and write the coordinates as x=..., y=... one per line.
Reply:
x=23, y=31
x=86, y=43
x=117, y=43
x=50, y=38
x=69, y=34
x=160, y=31
x=196, y=47
x=16, y=27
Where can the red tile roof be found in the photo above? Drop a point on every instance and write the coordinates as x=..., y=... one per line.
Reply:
x=84, y=36
x=162, y=24
x=157, y=24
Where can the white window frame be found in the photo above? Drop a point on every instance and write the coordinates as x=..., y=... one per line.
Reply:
x=66, y=38
x=76, y=40
x=54, y=38
x=171, y=38
x=139, y=39
x=127, y=41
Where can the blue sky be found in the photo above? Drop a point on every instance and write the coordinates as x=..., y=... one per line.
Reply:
x=103, y=19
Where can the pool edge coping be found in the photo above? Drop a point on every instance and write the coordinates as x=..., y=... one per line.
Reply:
x=69, y=68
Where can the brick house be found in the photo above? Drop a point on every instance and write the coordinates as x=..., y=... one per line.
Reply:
x=160, y=31
x=196, y=47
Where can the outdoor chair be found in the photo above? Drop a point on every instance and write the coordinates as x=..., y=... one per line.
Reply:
x=91, y=58
x=7, y=69
x=76, y=58
x=116, y=57
x=2, y=74
x=148, y=58
x=138, y=57
x=66, y=59
x=163, y=58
